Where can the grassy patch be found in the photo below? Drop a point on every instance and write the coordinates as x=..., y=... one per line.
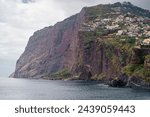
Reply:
x=147, y=57
x=137, y=70
x=64, y=73
x=101, y=77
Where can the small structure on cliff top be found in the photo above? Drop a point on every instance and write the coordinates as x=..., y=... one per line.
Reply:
x=145, y=43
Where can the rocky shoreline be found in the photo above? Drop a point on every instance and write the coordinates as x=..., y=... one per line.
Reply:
x=136, y=83
x=122, y=82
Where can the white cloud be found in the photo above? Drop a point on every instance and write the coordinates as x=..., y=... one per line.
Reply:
x=19, y=20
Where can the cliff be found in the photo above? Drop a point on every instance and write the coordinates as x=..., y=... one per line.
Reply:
x=51, y=49
x=98, y=43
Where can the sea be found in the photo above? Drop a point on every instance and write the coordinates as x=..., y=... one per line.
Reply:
x=38, y=89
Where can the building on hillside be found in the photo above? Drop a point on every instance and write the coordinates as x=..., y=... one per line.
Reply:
x=145, y=43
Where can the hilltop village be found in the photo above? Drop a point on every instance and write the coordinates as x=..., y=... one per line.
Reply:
x=122, y=26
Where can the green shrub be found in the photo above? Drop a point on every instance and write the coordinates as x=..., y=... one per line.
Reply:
x=147, y=57
x=87, y=39
x=130, y=40
x=123, y=58
x=136, y=70
x=108, y=53
x=130, y=69
x=64, y=73
x=101, y=76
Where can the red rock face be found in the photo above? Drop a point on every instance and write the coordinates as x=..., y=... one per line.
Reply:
x=78, y=41
x=51, y=49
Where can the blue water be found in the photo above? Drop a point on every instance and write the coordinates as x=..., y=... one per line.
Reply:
x=26, y=89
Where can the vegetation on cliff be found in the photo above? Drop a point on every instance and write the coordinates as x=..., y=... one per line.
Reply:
x=115, y=35
x=62, y=74
x=102, y=42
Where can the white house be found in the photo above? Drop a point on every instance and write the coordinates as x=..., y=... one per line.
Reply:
x=120, y=32
x=146, y=42
x=112, y=27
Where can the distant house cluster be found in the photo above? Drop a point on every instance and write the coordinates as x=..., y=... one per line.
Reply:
x=128, y=25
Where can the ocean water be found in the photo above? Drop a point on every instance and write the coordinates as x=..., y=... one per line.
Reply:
x=27, y=89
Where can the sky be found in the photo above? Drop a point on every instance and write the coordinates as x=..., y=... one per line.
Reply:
x=19, y=19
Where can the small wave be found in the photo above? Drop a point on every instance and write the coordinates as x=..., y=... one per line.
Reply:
x=102, y=85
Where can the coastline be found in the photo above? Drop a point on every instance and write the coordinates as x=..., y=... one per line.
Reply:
x=109, y=83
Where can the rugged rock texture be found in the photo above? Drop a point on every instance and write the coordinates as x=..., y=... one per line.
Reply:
x=51, y=49
x=138, y=55
x=85, y=45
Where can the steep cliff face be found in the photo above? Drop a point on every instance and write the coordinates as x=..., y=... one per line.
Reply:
x=51, y=49
x=97, y=42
